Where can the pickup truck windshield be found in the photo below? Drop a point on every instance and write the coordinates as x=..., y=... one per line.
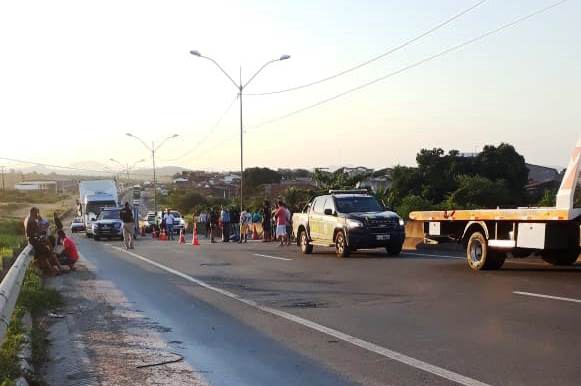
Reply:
x=355, y=204
x=109, y=215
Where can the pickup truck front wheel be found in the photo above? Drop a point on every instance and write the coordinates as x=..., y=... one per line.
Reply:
x=341, y=247
x=306, y=248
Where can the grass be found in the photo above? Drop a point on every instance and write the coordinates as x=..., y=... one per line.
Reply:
x=37, y=300
x=14, y=196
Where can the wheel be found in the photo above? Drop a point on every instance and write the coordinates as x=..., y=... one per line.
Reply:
x=88, y=235
x=560, y=257
x=394, y=250
x=480, y=257
x=97, y=238
x=341, y=248
x=306, y=248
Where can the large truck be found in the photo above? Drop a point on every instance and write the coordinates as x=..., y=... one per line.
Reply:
x=489, y=235
x=93, y=196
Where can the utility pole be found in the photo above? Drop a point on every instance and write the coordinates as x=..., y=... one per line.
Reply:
x=3, y=182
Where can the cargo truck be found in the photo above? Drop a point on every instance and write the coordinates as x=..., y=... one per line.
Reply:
x=489, y=235
x=95, y=195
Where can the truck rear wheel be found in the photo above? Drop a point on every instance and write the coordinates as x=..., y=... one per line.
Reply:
x=560, y=256
x=341, y=248
x=480, y=256
x=306, y=248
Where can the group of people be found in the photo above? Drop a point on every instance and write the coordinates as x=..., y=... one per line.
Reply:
x=233, y=225
x=50, y=253
x=168, y=221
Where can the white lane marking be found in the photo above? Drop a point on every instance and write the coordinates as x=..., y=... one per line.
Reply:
x=546, y=296
x=429, y=255
x=394, y=355
x=272, y=257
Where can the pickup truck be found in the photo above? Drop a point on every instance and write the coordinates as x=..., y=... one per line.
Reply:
x=348, y=220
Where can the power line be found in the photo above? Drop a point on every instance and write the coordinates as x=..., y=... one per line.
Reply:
x=375, y=58
x=65, y=167
x=208, y=133
x=411, y=66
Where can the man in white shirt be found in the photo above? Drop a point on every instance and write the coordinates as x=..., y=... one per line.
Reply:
x=169, y=221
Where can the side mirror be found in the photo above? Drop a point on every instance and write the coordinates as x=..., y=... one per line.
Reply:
x=328, y=212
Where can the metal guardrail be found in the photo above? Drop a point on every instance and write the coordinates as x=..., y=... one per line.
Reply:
x=10, y=288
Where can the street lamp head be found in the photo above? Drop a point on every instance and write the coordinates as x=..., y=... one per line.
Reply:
x=129, y=134
x=195, y=53
x=112, y=160
x=284, y=57
x=175, y=135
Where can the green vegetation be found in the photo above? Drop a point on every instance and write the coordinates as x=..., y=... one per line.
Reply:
x=11, y=236
x=36, y=300
x=15, y=196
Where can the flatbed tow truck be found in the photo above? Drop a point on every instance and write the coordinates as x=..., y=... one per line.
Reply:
x=489, y=235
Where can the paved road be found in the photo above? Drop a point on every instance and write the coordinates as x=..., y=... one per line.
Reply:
x=258, y=314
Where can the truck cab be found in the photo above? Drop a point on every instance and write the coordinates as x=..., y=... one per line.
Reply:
x=348, y=220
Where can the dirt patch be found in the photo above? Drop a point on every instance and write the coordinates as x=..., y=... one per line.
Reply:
x=104, y=340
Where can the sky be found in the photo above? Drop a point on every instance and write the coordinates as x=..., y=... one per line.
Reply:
x=75, y=76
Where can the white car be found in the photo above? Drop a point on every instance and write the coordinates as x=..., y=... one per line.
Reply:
x=77, y=225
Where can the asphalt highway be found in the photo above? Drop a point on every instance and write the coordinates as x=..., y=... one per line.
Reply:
x=257, y=314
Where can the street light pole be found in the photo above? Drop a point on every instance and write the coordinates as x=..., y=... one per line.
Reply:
x=240, y=86
x=152, y=149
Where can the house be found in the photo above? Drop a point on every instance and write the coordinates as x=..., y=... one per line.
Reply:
x=542, y=178
x=377, y=183
x=37, y=186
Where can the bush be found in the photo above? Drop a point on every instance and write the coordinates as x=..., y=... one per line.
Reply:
x=479, y=192
x=411, y=203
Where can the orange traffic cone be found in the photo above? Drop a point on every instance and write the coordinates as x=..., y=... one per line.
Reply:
x=182, y=239
x=163, y=235
x=142, y=230
x=254, y=233
x=195, y=240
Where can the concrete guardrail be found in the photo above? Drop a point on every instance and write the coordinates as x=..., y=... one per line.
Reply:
x=10, y=288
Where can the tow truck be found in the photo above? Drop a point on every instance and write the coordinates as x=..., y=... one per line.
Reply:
x=489, y=235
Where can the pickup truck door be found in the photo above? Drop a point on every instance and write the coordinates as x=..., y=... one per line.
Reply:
x=315, y=218
x=328, y=221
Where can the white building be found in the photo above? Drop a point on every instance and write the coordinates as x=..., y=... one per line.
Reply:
x=36, y=186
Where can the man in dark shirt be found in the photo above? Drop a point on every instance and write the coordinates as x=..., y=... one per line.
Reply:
x=266, y=226
x=126, y=215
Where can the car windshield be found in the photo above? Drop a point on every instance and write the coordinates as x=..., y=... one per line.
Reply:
x=354, y=204
x=176, y=214
x=109, y=215
x=77, y=220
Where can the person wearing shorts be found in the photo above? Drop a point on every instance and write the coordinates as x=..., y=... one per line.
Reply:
x=281, y=220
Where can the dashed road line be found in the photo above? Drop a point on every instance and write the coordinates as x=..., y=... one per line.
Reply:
x=369, y=346
x=546, y=296
x=431, y=255
x=273, y=257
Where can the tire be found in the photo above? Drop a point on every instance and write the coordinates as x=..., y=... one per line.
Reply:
x=88, y=235
x=560, y=257
x=480, y=257
x=303, y=242
x=394, y=250
x=341, y=247
x=97, y=238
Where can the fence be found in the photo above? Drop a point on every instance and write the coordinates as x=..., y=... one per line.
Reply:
x=10, y=288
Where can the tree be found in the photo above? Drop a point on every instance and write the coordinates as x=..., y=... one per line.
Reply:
x=339, y=179
x=479, y=192
x=254, y=177
x=411, y=203
x=405, y=181
x=503, y=162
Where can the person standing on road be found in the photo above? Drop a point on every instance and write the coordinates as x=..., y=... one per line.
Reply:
x=225, y=220
x=289, y=228
x=281, y=220
x=245, y=220
x=266, y=221
x=169, y=221
x=126, y=215
x=213, y=222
